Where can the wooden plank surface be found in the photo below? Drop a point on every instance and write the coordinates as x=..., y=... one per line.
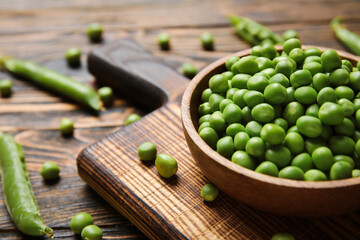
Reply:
x=42, y=30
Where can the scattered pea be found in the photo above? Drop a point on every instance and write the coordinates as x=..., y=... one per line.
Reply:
x=73, y=57
x=106, y=95
x=80, y=221
x=189, y=70
x=164, y=41
x=166, y=165
x=209, y=192
x=5, y=88
x=132, y=118
x=66, y=127
x=147, y=151
x=282, y=236
x=50, y=170
x=207, y=41
x=94, y=32
x=91, y=232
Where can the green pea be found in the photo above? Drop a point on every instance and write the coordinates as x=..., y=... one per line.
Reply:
x=294, y=142
x=272, y=133
x=275, y=93
x=345, y=128
x=253, y=128
x=106, y=95
x=281, y=79
x=356, y=173
x=218, y=84
x=230, y=93
x=94, y=32
x=313, y=67
x=217, y=122
x=264, y=63
x=346, y=68
x=73, y=56
x=240, y=81
x=253, y=98
x=313, y=143
x=268, y=168
x=327, y=132
x=66, y=127
x=210, y=136
x=347, y=63
x=207, y=41
x=91, y=232
x=164, y=41
x=50, y=170
x=347, y=106
x=232, y=113
x=230, y=61
x=300, y=78
x=320, y=81
x=240, y=140
x=282, y=236
x=257, y=83
x=290, y=34
x=313, y=52
x=147, y=151
x=166, y=165
x=243, y=159
x=206, y=95
x=234, y=128
x=281, y=122
x=330, y=60
x=256, y=51
x=356, y=103
x=228, y=75
x=298, y=55
x=255, y=146
x=203, y=125
x=263, y=113
x=204, y=118
x=331, y=113
x=340, y=170
x=290, y=91
x=246, y=112
x=303, y=161
x=356, y=136
x=357, y=115
x=309, y=126
x=238, y=97
x=5, y=88
x=315, y=175
x=291, y=172
x=313, y=110
x=292, y=112
x=339, y=77
x=354, y=80
x=326, y=94
x=293, y=129
x=312, y=59
x=340, y=145
x=285, y=67
x=225, y=146
x=322, y=158
x=80, y=221
x=357, y=147
x=189, y=70
x=345, y=158
x=268, y=51
x=290, y=44
x=278, y=154
x=224, y=103
x=269, y=71
x=247, y=65
x=209, y=192
x=132, y=118
x=214, y=101
x=204, y=109
x=305, y=95
x=344, y=92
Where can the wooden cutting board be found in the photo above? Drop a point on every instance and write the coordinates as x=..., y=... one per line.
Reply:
x=172, y=208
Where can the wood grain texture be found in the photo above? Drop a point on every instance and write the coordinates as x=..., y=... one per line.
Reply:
x=42, y=30
x=172, y=208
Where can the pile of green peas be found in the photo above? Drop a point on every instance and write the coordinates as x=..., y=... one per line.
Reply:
x=293, y=114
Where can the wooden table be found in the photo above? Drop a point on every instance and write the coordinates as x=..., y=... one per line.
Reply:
x=42, y=30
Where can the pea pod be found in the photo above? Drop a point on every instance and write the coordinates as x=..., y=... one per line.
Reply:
x=53, y=81
x=18, y=194
x=350, y=39
x=252, y=31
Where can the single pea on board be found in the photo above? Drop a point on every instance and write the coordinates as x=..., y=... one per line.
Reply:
x=188, y=70
x=166, y=165
x=66, y=127
x=132, y=118
x=164, y=41
x=106, y=95
x=91, y=232
x=94, y=32
x=283, y=236
x=50, y=170
x=209, y=192
x=80, y=221
x=73, y=57
x=5, y=88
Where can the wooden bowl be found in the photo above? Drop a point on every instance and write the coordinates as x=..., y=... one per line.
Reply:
x=260, y=191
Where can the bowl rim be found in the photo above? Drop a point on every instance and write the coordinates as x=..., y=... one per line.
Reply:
x=195, y=137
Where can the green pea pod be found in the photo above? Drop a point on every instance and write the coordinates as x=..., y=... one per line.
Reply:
x=18, y=194
x=350, y=39
x=53, y=81
x=252, y=31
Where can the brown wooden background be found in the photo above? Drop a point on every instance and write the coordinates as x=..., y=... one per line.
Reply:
x=42, y=30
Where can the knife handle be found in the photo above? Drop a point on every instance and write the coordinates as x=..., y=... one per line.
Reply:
x=135, y=73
